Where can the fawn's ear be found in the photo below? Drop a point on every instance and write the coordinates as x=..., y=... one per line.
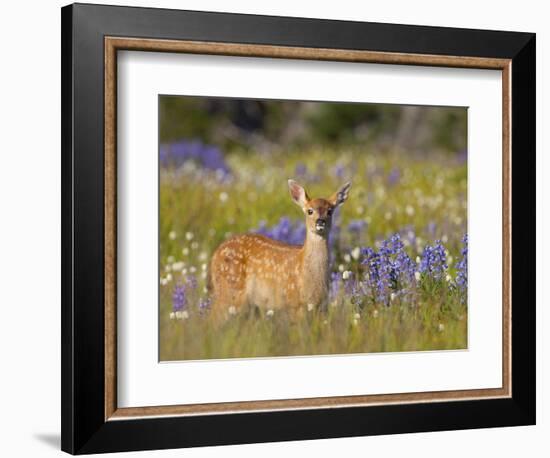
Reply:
x=340, y=196
x=298, y=194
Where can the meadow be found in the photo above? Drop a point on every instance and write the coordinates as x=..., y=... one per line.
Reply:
x=398, y=249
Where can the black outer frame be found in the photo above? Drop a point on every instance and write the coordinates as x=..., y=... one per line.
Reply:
x=83, y=426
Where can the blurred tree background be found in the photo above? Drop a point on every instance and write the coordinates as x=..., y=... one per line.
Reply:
x=269, y=125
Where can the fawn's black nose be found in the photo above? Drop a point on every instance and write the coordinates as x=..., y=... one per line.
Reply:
x=320, y=225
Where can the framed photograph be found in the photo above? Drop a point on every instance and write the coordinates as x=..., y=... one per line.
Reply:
x=281, y=228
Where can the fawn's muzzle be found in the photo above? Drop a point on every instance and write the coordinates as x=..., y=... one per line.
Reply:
x=320, y=225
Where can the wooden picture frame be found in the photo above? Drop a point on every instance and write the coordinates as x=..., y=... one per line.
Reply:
x=91, y=37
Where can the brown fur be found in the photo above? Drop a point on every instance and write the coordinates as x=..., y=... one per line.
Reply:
x=254, y=270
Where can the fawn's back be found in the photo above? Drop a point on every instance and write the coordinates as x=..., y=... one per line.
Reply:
x=255, y=270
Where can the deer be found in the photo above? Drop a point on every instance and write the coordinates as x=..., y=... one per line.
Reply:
x=252, y=271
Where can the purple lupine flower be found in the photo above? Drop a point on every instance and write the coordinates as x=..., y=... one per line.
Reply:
x=408, y=235
x=376, y=280
x=179, y=298
x=462, y=266
x=357, y=226
x=400, y=266
x=191, y=281
x=431, y=228
x=339, y=171
x=301, y=170
x=208, y=156
x=284, y=231
x=334, y=287
x=204, y=305
x=349, y=284
x=394, y=176
x=389, y=269
x=433, y=262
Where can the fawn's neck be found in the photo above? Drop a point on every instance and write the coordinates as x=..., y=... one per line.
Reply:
x=315, y=257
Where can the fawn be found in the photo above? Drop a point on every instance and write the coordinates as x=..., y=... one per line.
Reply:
x=252, y=270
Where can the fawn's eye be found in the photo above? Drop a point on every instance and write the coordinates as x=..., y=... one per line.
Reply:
x=309, y=211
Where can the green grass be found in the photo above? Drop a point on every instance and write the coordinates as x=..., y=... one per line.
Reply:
x=198, y=211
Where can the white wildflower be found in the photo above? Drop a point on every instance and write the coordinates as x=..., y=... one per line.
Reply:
x=444, y=239
x=178, y=265
x=172, y=315
x=168, y=277
x=223, y=197
x=232, y=310
x=375, y=313
x=355, y=253
x=417, y=275
x=204, y=275
x=440, y=327
x=347, y=258
x=194, y=245
x=170, y=259
x=189, y=166
x=192, y=269
x=203, y=256
x=360, y=210
x=355, y=322
x=418, y=260
x=388, y=215
x=184, y=314
x=204, y=266
x=189, y=236
x=448, y=278
x=163, y=281
x=341, y=267
x=393, y=296
x=346, y=274
x=310, y=307
x=409, y=210
x=172, y=235
x=269, y=313
x=357, y=316
x=185, y=251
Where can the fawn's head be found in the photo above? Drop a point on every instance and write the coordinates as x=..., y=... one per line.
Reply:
x=318, y=211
